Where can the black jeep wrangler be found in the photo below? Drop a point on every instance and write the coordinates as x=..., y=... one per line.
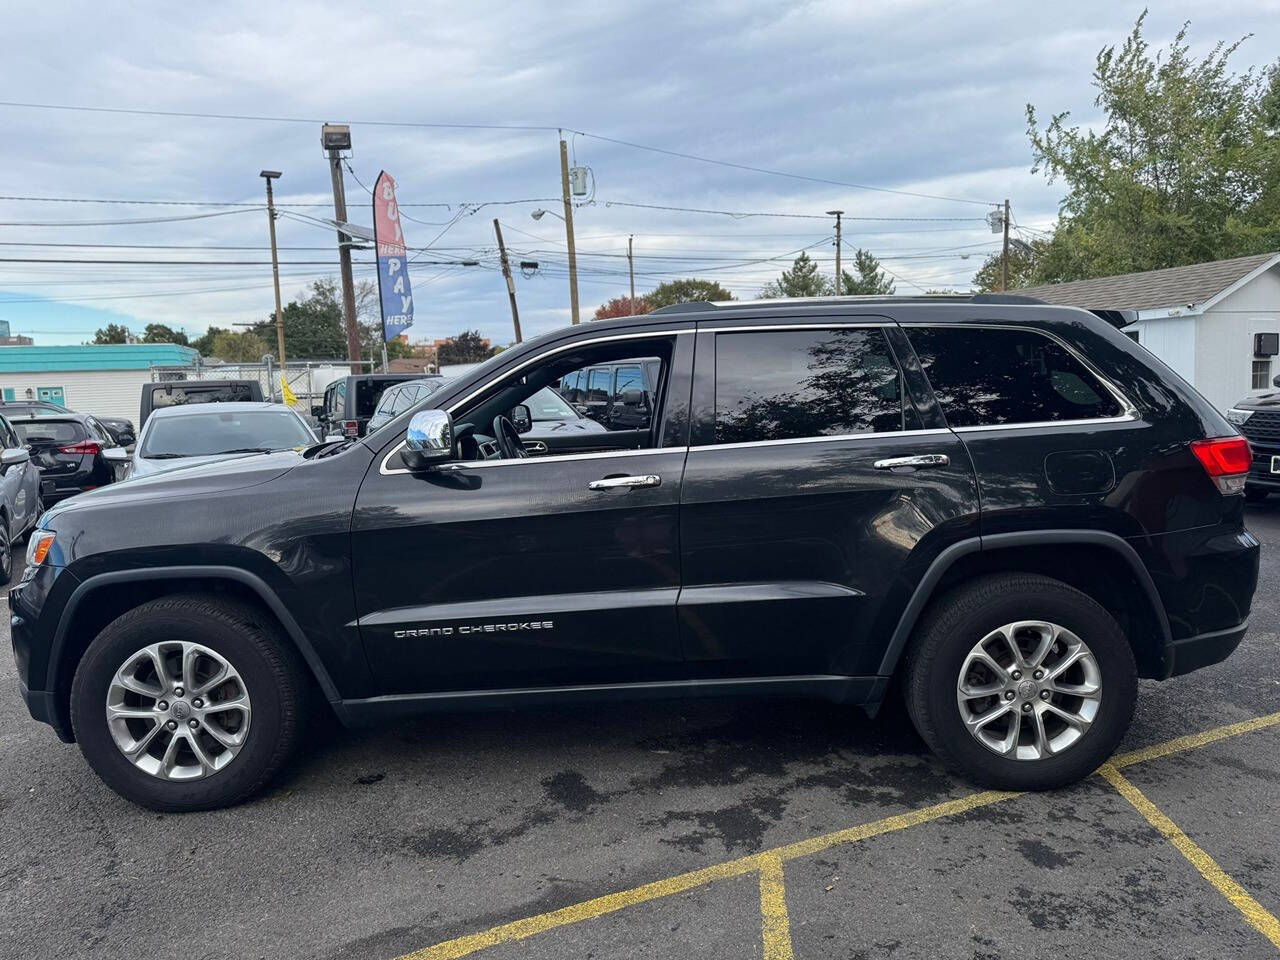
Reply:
x=1009, y=510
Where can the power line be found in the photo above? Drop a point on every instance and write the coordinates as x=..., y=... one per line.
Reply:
x=118, y=223
x=542, y=128
x=794, y=216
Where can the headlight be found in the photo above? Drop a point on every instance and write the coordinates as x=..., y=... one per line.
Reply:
x=1237, y=416
x=38, y=547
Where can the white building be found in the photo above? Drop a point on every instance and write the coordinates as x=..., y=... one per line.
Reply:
x=1217, y=324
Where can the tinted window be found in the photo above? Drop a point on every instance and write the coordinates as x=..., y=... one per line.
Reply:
x=783, y=385
x=598, y=385
x=212, y=393
x=546, y=404
x=628, y=378
x=62, y=431
x=984, y=377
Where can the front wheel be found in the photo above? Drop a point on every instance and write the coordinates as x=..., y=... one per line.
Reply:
x=187, y=703
x=1020, y=682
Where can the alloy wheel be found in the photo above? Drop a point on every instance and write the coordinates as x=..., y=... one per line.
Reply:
x=178, y=710
x=1029, y=690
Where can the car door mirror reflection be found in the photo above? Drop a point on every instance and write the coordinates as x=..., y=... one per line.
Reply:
x=429, y=440
x=522, y=418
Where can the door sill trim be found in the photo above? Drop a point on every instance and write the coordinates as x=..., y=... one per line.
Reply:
x=841, y=689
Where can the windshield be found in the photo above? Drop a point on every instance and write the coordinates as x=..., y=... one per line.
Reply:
x=212, y=433
x=546, y=404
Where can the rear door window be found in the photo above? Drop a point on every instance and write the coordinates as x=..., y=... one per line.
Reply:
x=984, y=376
x=791, y=384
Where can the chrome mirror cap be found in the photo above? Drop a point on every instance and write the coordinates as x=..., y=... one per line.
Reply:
x=429, y=440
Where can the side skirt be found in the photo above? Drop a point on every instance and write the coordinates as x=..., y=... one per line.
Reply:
x=852, y=690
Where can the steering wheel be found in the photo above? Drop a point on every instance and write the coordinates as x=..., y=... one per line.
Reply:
x=508, y=440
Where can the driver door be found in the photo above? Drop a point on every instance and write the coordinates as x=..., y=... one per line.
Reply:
x=527, y=573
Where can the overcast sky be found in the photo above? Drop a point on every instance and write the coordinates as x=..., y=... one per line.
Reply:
x=926, y=98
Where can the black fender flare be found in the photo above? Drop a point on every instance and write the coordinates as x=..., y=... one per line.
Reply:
x=925, y=588
x=244, y=577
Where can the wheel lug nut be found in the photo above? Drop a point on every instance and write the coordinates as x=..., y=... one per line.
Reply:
x=1044, y=694
x=1008, y=694
x=177, y=691
x=172, y=724
x=197, y=703
x=162, y=705
x=1026, y=708
x=1017, y=674
x=1038, y=674
x=193, y=723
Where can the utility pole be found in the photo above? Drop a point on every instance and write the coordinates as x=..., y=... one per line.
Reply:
x=1004, y=256
x=336, y=138
x=506, y=273
x=839, y=276
x=270, y=175
x=631, y=269
x=568, y=230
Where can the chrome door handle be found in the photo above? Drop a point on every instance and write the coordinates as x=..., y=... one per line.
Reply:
x=919, y=460
x=616, y=483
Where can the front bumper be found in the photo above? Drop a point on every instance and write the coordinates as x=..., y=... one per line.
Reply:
x=1204, y=649
x=34, y=606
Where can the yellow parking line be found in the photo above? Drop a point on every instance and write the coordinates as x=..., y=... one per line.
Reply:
x=1182, y=744
x=775, y=923
x=599, y=906
x=1257, y=915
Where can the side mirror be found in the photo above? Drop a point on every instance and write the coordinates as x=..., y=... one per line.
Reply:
x=317, y=411
x=14, y=456
x=521, y=418
x=1275, y=381
x=124, y=438
x=116, y=455
x=632, y=398
x=429, y=440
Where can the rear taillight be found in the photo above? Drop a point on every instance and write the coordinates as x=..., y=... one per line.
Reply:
x=91, y=447
x=351, y=427
x=1226, y=460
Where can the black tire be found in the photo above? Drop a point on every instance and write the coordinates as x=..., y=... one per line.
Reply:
x=242, y=635
x=1255, y=495
x=6, y=552
x=957, y=621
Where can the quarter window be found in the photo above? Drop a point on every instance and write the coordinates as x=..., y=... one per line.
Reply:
x=984, y=377
x=782, y=385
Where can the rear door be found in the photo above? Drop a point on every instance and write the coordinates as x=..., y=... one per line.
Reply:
x=814, y=481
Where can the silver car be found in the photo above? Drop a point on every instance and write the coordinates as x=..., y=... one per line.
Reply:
x=19, y=495
x=176, y=437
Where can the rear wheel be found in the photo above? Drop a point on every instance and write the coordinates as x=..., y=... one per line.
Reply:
x=1020, y=682
x=187, y=703
x=6, y=552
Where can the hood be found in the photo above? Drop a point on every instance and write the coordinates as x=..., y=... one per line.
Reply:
x=1261, y=401
x=218, y=476
x=543, y=429
x=142, y=467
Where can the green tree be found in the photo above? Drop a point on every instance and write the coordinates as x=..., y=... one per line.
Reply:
x=159, y=333
x=689, y=290
x=465, y=347
x=802, y=280
x=868, y=280
x=112, y=333
x=204, y=342
x=235, y=347
x=313, y=325
x=1183, y=167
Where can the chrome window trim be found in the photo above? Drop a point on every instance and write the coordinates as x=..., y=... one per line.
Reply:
x=869, y=435
x=457, y=465
x=387, y=471
x=835, y=324
x=1041, y=424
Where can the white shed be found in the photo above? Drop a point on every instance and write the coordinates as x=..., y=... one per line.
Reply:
x=1217, y=324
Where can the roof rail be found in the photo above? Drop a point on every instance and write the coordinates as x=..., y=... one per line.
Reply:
x=703, y=305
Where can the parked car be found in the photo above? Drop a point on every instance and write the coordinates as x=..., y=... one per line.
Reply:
x=554, y=425
x=19, y=495
x=399, y=397
x=121, y=430
x=71, y=452
x=1258, y=418
x=350, y=403
x=188, y=436
x=1008, y=511
x=176, y=393
x=617, y=395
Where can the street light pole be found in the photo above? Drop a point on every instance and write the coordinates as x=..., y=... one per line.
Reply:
x=506, y=273
x=335, y=138
x=568, y=230
x=270, y=175
x=631, y=268
x=839, y=276
x=1004, y=255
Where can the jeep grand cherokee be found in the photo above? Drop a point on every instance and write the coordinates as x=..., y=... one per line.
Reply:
x=1009, y=510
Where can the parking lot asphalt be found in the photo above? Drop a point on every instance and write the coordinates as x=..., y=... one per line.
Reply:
x=710, y=829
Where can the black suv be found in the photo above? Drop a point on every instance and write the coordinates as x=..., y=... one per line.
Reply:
x=1258, y=418
x=1010, y=511
x=350, y=403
